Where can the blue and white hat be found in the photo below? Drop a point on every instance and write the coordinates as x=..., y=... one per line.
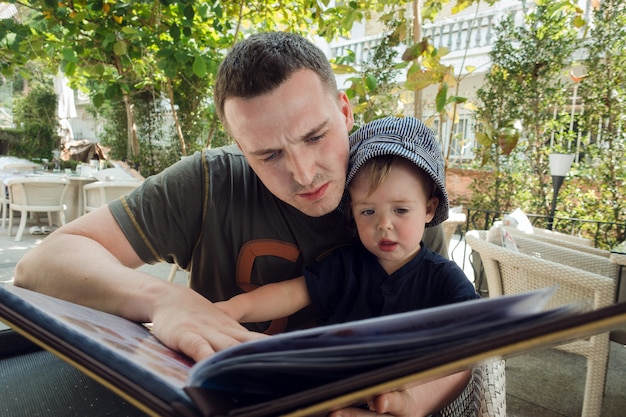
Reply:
x=406, y=137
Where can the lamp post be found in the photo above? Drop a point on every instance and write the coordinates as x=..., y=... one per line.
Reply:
x=559, y=166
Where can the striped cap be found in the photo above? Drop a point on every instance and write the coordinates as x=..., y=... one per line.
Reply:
x=406, y=137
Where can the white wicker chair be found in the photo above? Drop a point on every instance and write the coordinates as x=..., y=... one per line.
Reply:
x=510, y=272
x=561, y=239
x=581, y=260
x=553, y=234
x=484, y=396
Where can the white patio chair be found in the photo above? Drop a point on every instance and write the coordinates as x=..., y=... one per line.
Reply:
x=484, y=396
x=4, y=200
x=99, y=193
x=36, y=195
x=510, y=272
x=578, y=259
x=561, y=239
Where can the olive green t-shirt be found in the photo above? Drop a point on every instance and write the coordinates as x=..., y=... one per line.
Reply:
x=211, y=215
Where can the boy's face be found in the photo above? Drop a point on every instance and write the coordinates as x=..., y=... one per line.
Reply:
x=391, y=220
x=295, y=138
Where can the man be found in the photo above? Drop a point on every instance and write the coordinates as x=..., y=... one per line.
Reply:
x=232, y=217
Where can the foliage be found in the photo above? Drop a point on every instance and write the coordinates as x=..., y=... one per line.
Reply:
x=603, y=120
x=113, y=135
x=117, y=49
x=373, y=90
x=432, y=8
x=8, y=138
x=516, y=106
x=36, y=115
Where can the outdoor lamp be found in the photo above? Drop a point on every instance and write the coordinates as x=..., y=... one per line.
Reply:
x=559, y=166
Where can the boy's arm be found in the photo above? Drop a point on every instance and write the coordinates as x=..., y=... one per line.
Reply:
x=269, y=302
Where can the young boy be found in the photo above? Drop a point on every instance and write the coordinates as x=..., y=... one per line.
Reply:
x=396, y=189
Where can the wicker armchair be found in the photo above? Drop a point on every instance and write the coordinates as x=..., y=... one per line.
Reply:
x=484, y=396
x=581, y=260
x=510, y=272
x=565, y=255
x=562, y=240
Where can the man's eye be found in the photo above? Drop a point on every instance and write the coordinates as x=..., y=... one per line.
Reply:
x=317, y=138
x=270, y=157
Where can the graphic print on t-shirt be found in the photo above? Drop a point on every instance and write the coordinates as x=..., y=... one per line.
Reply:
x=245, y=262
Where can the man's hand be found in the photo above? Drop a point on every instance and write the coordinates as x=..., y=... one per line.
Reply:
x=189, y=323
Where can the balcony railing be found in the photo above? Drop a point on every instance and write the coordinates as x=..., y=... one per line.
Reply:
x=472, y=33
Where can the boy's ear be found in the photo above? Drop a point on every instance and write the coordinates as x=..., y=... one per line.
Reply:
x=431, y=208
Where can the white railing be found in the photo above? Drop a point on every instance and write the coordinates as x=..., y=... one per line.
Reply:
x=466, y=33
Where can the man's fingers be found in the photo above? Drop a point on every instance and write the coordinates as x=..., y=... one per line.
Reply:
x=198, y=347
x=195, y=346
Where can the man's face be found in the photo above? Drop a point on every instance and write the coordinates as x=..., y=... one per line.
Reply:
x=295, y=138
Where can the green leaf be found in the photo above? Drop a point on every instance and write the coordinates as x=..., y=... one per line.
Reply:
x=199, y=68
x=189, y=13
x=119, y=48
x=419, y=80
x=98, y=100
x=343, y=69
x=70, y=68
x=371, y=82
x=415, y=51
x=579, y=22
x=175, y=32
x=483, y=139
x=203, y=11
x=440, y=100
x=457, y=99
x=69, y=55
x=99, y=70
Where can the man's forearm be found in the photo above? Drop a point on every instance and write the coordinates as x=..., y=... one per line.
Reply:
x=79, y=270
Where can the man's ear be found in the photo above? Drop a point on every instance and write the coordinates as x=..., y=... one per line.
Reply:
x=431, y=208
x=346, y=108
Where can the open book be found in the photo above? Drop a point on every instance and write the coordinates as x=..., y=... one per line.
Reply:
x=298, y=373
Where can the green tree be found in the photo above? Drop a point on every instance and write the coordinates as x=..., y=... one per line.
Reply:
x=516, y=106
x=603, y=148
x=117, y=51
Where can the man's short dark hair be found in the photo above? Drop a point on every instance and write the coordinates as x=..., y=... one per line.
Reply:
x=263, y=61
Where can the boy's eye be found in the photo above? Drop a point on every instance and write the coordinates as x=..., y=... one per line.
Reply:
x=367, y=212
x=401, y=210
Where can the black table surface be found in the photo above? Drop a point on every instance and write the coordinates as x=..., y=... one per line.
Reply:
x=34, y=382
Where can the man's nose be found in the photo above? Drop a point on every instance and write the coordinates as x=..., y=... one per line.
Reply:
x=303, y=168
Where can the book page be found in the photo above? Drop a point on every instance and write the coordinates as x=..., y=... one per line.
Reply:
x=426, y=320
x=124, y=346
x=333, y=352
